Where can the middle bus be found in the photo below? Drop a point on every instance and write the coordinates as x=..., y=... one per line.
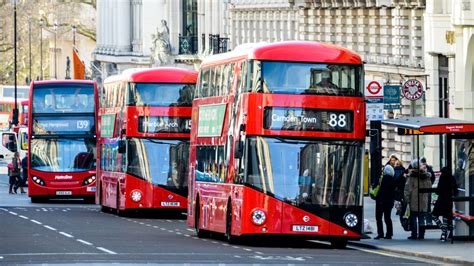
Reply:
x=143, y=142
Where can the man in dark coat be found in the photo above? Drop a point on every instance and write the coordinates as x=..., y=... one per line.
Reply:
x=384, y=203
x=444, y=204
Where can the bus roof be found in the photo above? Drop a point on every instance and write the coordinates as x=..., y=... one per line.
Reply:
x=292, y=51
x=156, y=75
x=64, y=81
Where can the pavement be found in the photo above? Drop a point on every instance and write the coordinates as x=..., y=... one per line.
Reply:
x=430, y=247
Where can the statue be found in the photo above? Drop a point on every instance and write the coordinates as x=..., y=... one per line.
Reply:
x=161, y=48
x=68, y=68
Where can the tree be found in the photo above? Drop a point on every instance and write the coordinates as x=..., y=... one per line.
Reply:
x=67, y=12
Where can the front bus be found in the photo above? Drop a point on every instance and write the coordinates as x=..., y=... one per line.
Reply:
x=62, y=140
x=282, y=152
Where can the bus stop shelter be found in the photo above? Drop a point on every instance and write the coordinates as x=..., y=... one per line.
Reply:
x=459, y=147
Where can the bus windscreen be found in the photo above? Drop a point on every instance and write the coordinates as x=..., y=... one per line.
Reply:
x=63, y=99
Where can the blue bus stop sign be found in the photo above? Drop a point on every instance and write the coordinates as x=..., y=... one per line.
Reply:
x=391, y=97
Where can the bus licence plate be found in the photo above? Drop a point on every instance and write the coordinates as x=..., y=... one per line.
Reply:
x=90, y=189
x=169, y=204
x=304, y=228
x=63, y=193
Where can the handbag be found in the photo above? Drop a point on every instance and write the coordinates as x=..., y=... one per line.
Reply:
x=405, y=219
x=375, y=191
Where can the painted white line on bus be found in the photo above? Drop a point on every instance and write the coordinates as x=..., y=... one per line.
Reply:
x=66, y=234
x=36, y=222
x=84, y=242
x=24, y=217
x=106, y=250
x=14, y=213
x=49, y=227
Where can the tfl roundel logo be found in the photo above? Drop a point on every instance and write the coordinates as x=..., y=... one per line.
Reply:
x=412, y=89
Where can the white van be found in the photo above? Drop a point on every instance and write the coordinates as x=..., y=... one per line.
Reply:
x=9, y=145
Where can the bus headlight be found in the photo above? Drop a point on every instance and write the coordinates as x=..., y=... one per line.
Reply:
x=258, y=217
x=351, y=219
x=89, y=180
x=38, y=181
x=136, y=195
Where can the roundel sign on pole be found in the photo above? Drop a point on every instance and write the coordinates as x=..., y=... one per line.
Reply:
x=374, y=89
x=412, y=89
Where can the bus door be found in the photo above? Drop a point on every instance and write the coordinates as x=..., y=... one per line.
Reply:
x=9, y=145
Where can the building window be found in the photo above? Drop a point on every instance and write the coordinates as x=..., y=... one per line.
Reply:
x=188, y=41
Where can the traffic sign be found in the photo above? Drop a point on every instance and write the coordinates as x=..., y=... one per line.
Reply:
x=374, y=100
x=374, y=89
x=412, y=89
x=391, y=97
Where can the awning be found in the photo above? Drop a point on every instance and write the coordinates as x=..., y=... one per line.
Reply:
x=430, y=125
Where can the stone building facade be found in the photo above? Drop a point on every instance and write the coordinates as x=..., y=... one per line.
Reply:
x=144, y=33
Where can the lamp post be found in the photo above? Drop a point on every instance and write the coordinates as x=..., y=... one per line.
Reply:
x=15, y=109
x=41, y=48
x=55, y=27
x=29, y=45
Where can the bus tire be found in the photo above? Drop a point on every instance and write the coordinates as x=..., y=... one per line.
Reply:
x=228, y=228
x=339, y=243
x=200, y=232
x=37, y=199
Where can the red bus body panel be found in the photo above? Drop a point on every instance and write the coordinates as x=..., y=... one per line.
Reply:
x=53, y=185
x=214, y=198
x=115, y=188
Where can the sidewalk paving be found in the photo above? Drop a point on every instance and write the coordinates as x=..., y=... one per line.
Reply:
x=431, y=247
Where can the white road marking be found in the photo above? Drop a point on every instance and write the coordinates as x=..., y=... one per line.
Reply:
x=14, y=213
x=66, y=234
x=178, y=233
x=24, y=217
x=170, y=231
x=36, y=222
x=1, y=257
x=258, y=252
x=225, y=244
x=169, y=221
x=187, y=235
x=49, y=227
x=162, y=229
x=44, y=209
x=248, y=249
x=235, y=246
x=189, y=229
x=84, y=242
x=106, y=250
x=3, y=209
x=155, y=227
x=215, y=242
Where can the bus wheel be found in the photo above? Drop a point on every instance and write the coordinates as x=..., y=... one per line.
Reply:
x=200, y=233
x=228, y=229
x=339, y=243
x=37, y=199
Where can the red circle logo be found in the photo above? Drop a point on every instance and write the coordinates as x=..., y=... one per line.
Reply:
x=374, y=87
x=412, y=89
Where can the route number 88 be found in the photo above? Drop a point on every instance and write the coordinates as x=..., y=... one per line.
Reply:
x=337, y=121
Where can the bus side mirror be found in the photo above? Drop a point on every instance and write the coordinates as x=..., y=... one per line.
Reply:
x=239, y=149
x=121, y=146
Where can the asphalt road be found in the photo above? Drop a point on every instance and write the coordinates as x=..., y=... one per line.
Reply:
x=72, y=232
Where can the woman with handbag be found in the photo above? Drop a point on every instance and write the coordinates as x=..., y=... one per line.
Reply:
x=14, y=173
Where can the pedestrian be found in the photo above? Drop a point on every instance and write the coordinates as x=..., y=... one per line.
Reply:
x=392, y=160
x=417, y=202
x=384, y=203
x=428, y=168
x=399, y=181
x=24, y=172
x=444, y=204
x=14, y=173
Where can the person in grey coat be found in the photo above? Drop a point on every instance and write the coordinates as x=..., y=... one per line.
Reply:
x=417, y=202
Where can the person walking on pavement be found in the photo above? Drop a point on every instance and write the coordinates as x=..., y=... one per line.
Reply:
x=24, y=172
x=444, y=204
x=384, y=203
x=417, y=202
x=14, y=173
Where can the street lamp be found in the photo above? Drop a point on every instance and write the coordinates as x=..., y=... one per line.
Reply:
x=29, y=45
x=41, y=48
x=15, y=109
x=55, y=27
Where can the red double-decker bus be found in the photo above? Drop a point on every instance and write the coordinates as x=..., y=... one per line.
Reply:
x=143, y=143
x=277, y=143
x=62, y=139
x=24, y=112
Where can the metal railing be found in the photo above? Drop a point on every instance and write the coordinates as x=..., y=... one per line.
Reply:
x=188, y=44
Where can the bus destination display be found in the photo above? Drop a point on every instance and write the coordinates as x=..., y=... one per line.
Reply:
x=164, y=124
x=306, y=119
x=63, y=125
